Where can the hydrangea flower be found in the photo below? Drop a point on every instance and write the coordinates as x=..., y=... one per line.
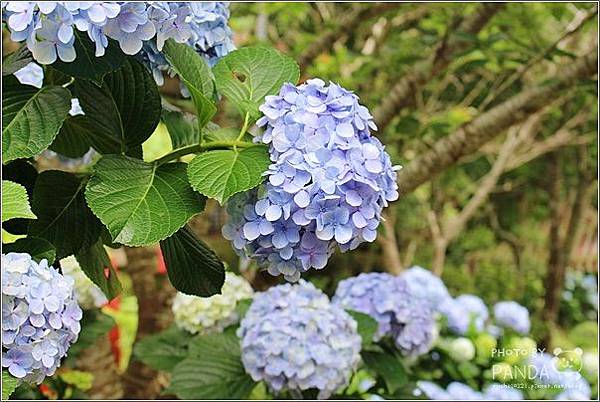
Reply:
x=461, y=349
x=459, y=391
x=425, y=285
x=89, y=295
x=212, y=314
x=464, y=311
x=510, y=314
x=388, y=300
x=546, y=369
x=48, y=28
x=294, y=339
x=327, y=185
x=32, y=74
x=40, y=317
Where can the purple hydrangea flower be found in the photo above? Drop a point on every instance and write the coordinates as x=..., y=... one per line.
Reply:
x=398, y=312
x=32, y=74
x=547, y=372
x=510, y=314
x=464, y=311
x=457, y=391
x=293, y=338
x=40, y=317
x=330, y=179
x=426, y=286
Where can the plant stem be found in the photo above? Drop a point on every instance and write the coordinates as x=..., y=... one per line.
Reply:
x=190, y=149
x=244, y=127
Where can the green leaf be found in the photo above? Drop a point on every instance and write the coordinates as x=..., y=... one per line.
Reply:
x=16, y=60
x=241, y=308
x=245, y=76
x=163, y=351
x=73, y=139
x=79, y=379
x=222, y=134
x=31, y=117
x=222, y=173
x=94, y=261
x=94, y=324
x=196, y=75
x=183, y=128
x=141, y=203
x=39, y=249
x=63, y=218
x=367, y=326
x=388, y=365
x=15, y=202
x=193, y=268
x=88, y=66
x=213, y=370
x=22, y=172
x=122, y=113
x=9, y=384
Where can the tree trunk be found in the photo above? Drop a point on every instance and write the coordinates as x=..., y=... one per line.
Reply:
x=392, y=262
x=99, y=360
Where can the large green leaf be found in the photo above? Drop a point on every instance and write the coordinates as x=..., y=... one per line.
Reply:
x=367, y=326
x=245, y=76
x=388, y=365
x=88, y=66
x=16, y=60
x=63, y=218
x=213, y=370
x=31, y=117
x=163, y=351
x=220, y=174
x=94, y=261
x=15, y=202
x=196, y=75
x=141, y=203
x=183, y=128
x=9, y=384
x=123, y=112
x=73, y=140
x=193, y=268
x=39, y=249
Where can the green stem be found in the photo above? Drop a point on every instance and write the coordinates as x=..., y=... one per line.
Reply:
x=190, y=149
x=244, y=127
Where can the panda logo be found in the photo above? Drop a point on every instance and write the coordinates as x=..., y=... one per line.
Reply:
x=568, y=359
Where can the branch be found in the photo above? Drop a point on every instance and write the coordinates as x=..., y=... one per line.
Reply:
x=400, y=95
x=347, y=25
x=389, y=244
x=467, y=139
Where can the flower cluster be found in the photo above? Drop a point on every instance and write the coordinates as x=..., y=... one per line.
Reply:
x=212, y=314
x=40, y=317
x=89, y=295
x=389, y=301
x=463, y=312
x=294, y=339
x=572, y=383
x=49, y=28
x=462, y=392
x=510, y=314
x=426, y=286
x=327, y=185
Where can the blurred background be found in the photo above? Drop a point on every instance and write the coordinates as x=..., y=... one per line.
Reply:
x=515, y=220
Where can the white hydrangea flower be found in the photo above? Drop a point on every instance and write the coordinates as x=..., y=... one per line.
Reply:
x=89, y=295
x=211, y=314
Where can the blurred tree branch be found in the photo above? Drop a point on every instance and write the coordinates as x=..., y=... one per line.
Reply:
x=468, y=138
x=400, y=96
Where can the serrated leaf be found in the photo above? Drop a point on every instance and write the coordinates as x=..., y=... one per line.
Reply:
x=163, y=351
x=141, y=203
x=245, y=76
x=63, y=218
x=38, y=248
x=222, y=173
x=183, y=128
x=222, y=134
x=193, y=268
x=16, y=60
x=15, y=202
x=388, y=366
x=213, y=370
x=22, y=172
x=31, y=117
x=367, y=326
x=9, y=384
x=88, y=66
x=95, y=263
x=196, y=75
x=122, y=113
x=94, y=324
x=73, y=139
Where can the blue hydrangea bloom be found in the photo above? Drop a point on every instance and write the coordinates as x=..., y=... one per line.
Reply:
x=389, y=301
x=40, y=317
x=294, y=339
x=464, y=311
x=496, y=391
x=573, y=384
x=458, y=391
x=32, y=74
x=327, y=185
x=510, y=314
x=48, y=28
x=425, y=285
